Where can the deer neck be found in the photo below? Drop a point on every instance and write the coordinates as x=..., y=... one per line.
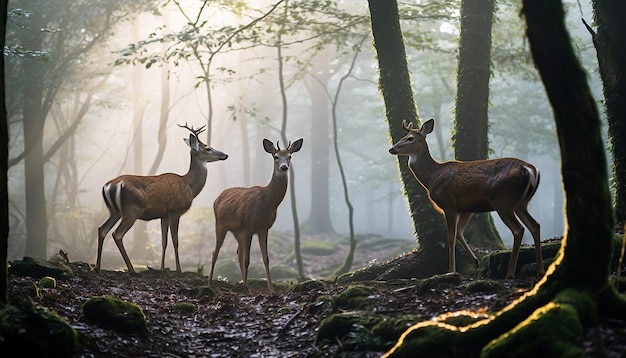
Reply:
x=196, y=176
x=423, y=166
x=277, y=187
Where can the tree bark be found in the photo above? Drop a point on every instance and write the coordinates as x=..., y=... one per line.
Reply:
x=470, y=136
x=395, y=87
x=610, y=45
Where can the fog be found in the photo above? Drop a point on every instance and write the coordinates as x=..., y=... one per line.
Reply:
x=246, y=106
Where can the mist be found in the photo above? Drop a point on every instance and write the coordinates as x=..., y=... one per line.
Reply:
x=246, y=106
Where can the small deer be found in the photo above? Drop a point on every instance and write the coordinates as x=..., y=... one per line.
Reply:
x=249, y=211
x=166, y=196
x=460, y=188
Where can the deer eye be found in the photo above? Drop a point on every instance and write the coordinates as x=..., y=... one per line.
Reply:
x=410, y=139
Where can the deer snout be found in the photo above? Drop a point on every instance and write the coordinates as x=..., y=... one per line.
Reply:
x=284, y=167
x=393, y=151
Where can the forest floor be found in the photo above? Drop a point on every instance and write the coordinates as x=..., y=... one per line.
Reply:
x=230, y=320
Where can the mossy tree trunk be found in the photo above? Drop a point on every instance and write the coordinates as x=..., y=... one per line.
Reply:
x=395, y=87
x=472, y=105
x=575, y=291
x=610, y=44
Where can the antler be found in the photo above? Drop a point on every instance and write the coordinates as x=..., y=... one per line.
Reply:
x=408, y=127
x=194, y=131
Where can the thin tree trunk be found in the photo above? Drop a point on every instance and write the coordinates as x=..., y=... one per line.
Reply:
x=4, y=167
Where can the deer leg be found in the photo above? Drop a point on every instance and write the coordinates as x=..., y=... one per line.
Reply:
x=243, y=251
x=510, y=220
x=118, y=235
x=535, y=229
x=174, y=221
x=165, y=224
x=220, y=235
x=266, y=260
x=103, y=230
x=451, y=221
x=463, y=219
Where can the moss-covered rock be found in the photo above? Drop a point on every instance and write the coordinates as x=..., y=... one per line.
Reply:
x=185, y=307
x=31, y=331
x=495, y=264
x=36, y=267
x=47, y=282
x=113, y=313
x=352, y=298
x=438, y=282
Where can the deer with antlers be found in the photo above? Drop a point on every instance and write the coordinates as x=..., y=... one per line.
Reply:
x=460, y=188
x=249, y=211
x=166, y=197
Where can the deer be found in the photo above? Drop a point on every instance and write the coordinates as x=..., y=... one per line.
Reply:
x=245, y=211
x=166, y=197
x=457, y=189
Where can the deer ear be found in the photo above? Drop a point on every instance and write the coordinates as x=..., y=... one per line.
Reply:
x=192, y=142
x=268, y=146
x=296, y=146
x=428, y=126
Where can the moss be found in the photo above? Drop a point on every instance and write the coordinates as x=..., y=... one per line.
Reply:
x=338, y=326
x=390, y=329
x=485, y=286
x=352, y=297
x=495, y=264
x=318, y=248
x=34, y=331
x=437, y=282
x=437, y=339
x=185, y=307
x=550, y=330
x=314, y=286
x=48, y=282
x=113, y=313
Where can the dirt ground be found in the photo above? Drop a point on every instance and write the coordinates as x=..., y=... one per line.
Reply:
x=232, y=321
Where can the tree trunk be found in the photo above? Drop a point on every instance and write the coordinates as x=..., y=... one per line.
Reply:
x=4, y=167
x=472, y=103
x=575, y=292
x=319, y=220
x=395, y=86
x=610, y=45
x=36, y=211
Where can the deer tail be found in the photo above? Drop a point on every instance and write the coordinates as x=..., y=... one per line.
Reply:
x=533, y=181
x=112, y=194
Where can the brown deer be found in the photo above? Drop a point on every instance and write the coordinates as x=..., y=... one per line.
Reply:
x=166, y=196
x=460, y=188
x=249, y=211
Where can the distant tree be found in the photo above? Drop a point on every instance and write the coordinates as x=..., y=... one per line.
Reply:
x=53, y=42
x=610, y=45
x=4, y=166
x=575, y=292
x=470, y=137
